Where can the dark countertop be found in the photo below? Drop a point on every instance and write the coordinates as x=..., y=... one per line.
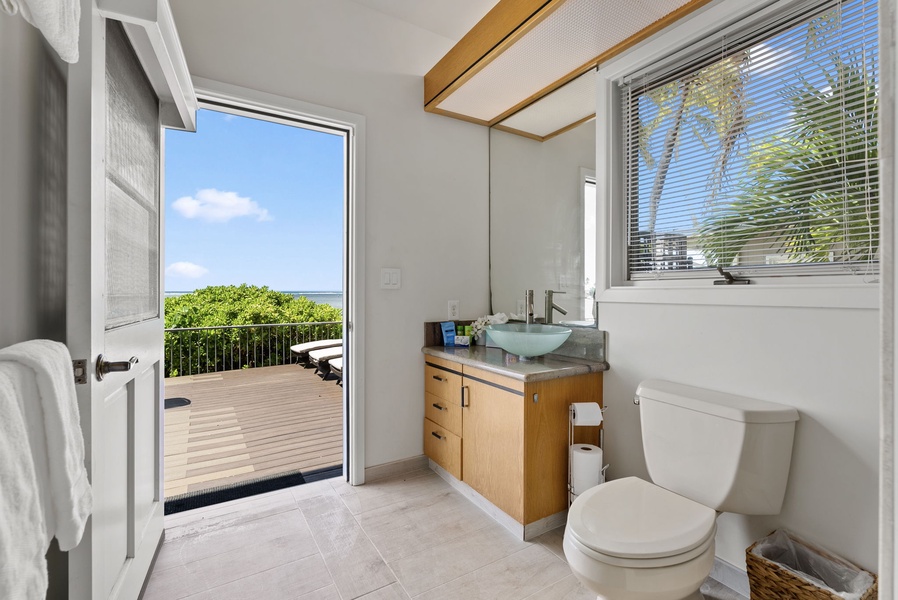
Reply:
x=496, y=360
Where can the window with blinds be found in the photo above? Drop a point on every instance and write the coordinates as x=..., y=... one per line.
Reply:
x=757, y=152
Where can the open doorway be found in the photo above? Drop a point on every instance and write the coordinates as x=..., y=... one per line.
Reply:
x=258, y=266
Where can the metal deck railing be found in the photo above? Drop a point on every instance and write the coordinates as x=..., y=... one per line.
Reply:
x=199, y=350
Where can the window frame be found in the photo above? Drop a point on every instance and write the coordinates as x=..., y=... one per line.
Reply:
x=797, y=288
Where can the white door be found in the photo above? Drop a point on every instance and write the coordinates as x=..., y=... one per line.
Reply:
x=114, y=306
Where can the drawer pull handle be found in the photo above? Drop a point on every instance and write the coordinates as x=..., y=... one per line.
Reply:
x=438, y=378
x=437, y=435
x=438, y=407
x=463, y=405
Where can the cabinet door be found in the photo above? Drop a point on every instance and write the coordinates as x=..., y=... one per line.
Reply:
x=492, y=456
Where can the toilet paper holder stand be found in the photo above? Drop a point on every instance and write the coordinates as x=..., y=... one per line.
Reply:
x=600, y=443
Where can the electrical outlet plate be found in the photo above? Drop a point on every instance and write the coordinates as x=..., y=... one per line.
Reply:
x=453, y=309
x=520, y=310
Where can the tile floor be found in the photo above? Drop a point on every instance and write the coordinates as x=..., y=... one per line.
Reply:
x=406, y=537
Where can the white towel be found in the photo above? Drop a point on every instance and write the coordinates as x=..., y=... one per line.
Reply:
x=23, y=533
x=66, y=477
x=58, y=20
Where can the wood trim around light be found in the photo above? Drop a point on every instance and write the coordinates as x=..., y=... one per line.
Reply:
x=500, y=28
x=567, y=128
x=466, y=73
x=526, y=134
x=583, y=69
x=548, y=136
x=460, y=117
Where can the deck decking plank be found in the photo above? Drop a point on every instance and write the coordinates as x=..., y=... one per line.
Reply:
x=250, y=423
x=275, y=445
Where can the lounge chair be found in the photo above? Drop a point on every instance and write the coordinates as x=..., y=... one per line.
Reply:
x=301, y=351
x=336, y=366
x=320, y=358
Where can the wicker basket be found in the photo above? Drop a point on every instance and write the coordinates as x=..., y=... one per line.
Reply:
x=772, y=581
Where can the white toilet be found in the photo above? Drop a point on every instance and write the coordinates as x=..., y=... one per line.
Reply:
x=706, y=452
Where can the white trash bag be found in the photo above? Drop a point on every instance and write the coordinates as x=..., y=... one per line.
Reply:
x=839, y=578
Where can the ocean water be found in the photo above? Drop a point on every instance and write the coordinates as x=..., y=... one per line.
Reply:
x=335, y=299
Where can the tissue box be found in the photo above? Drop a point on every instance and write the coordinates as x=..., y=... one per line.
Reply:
x=462, y=340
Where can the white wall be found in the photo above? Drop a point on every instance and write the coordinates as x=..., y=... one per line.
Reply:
x=32, y=203
x=20, y=55
x=537, y=218
x=32, y=186
x=426, y=196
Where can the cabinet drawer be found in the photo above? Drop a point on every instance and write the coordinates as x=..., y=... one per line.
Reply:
x=443, y=413
x=442, y=384
x=443, y=447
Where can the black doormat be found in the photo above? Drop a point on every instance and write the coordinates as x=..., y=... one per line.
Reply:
x=224, y=493
x=176, y=402
x=325, y=473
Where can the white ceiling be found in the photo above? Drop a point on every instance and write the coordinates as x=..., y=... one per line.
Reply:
x=451, y=19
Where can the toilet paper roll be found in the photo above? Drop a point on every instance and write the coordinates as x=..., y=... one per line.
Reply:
x=586, y=413
x=586, y=467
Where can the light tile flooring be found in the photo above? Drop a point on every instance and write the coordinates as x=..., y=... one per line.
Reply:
x=406, y=537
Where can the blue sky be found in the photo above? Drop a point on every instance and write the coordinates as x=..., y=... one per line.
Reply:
x=248, y=201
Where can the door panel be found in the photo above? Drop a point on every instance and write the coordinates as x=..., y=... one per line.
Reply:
x=114, y=306
x=111, y=487
x=144, y=425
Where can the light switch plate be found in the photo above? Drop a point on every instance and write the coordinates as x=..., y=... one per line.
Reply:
x=390, y=279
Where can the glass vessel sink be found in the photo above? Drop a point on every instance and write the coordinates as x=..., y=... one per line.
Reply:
x=528, y=340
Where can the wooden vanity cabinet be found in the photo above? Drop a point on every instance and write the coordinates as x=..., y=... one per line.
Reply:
x=506, y=439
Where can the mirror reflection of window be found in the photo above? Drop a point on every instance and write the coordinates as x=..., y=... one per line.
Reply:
x=589, y=246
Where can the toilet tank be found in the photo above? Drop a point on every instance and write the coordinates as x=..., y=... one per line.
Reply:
x=730, y=453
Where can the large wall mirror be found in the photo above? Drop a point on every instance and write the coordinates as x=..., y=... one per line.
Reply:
x=542, y=205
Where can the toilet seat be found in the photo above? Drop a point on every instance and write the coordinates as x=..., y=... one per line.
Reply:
x=631, y=522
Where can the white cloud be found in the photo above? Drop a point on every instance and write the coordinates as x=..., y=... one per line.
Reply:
x=216, y=206
x=185, y=269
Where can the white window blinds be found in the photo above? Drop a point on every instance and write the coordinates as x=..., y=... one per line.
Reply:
x=757, y=151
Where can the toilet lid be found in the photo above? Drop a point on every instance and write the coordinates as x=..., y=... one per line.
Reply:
x=632, y=518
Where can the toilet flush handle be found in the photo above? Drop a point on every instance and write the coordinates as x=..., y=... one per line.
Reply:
x=636, y=400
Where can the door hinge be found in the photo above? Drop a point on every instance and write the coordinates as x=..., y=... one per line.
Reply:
x=79, y=368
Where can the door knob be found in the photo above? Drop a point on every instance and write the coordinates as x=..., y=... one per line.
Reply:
x=104, y=367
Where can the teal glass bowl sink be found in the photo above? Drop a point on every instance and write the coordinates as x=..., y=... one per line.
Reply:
x=528, y=339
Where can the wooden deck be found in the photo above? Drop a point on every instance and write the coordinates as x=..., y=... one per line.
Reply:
x=241, y=425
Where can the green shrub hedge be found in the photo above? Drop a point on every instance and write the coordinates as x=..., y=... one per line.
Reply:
x=205, y=351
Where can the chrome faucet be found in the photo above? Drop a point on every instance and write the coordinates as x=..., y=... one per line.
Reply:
x=528, y=305
x=551, y=306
